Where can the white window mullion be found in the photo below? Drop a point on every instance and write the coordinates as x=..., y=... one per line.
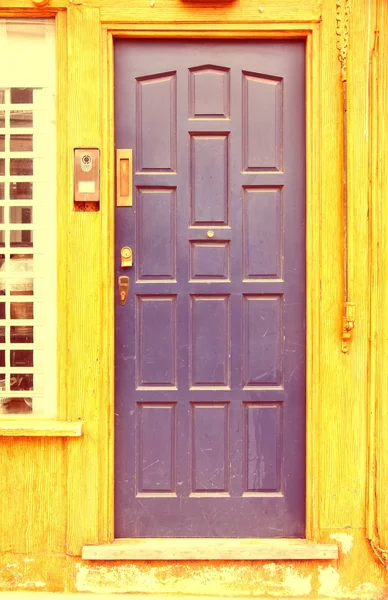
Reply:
x=28, y=225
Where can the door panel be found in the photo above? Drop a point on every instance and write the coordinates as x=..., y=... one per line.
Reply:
x=210, y=346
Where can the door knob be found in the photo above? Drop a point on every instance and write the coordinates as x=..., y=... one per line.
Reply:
x=126, y=256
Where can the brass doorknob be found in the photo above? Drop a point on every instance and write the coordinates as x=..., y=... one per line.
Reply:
x=126, y=256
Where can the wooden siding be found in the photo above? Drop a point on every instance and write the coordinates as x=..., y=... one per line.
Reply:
x=59, y=491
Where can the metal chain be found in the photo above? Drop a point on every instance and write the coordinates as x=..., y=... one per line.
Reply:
x=342, y=31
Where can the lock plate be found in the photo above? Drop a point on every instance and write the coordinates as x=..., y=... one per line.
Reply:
x=123, y=289
x=126, y=256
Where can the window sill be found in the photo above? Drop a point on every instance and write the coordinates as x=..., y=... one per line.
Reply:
x=39, y=428
x=210, y=549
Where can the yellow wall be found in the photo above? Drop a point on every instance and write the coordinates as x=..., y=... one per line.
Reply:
x=57, y=492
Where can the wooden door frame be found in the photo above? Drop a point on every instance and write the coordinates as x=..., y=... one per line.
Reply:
x=315, y=155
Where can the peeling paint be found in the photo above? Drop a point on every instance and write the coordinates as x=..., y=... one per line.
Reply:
x=272, y=568
x=345, y=540
x=298, y=585
x=274, y=579
x=242, y=580
x=39, y=573
x=329, y=579
x=293, y=582
x=27, y=584
x=18, y=578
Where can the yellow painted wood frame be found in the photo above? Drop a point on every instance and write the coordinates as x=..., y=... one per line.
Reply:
x=85, y=33
x=377, y=514
x=311, y=33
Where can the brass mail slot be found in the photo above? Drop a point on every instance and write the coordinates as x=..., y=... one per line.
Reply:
x=124, y=177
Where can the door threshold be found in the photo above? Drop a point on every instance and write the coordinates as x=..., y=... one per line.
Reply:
x=210, y=549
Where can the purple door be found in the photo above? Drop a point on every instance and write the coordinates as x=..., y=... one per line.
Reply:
x=210, y=346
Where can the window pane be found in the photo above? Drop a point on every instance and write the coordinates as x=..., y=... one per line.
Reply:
x=23, y=381
x=21, y=263
x=20, y=214
x=20, y=143
x=22, y=310
x=21, y=358
x=21, y=95
x=21, y=166
x=21, y=190
x=15, y=406
x=21, y=118
x=22, y=335
x=22, y=238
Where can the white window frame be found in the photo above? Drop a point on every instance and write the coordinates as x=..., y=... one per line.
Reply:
x=30, y=44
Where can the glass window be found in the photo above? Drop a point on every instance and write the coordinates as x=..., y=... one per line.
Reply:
x=27, y=218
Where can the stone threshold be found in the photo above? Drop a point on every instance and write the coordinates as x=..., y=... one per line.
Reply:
x=210, y=549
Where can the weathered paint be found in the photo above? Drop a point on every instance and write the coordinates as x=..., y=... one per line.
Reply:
x=37, y=573
x=345, y=541
x=279, y=580
x=330, y=585
x=346, y=578
x=52, y=501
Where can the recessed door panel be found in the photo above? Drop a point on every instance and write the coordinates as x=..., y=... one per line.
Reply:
x=263, y=122
x=263, y=334
x=210, y=343
x=210, y=448
x=262, y=211
x=209, y=179
x=156, y=233
x=209, y=92
x=156, y=458
x=156, y=113
x=156, y=340
x=263, y=448
x=210, y=261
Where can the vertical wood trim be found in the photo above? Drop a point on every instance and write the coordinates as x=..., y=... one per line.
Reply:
x=375, y=236
x=85, y=318
x=377, y=515
x=106, y=514
x=313, y=269
x=358, y=241
x=382, y=191
x=341, y=435
x=62, y=213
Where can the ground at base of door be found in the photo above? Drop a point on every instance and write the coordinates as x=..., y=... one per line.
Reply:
x=88, y=596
